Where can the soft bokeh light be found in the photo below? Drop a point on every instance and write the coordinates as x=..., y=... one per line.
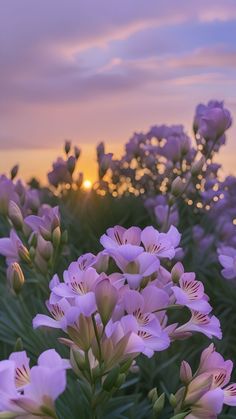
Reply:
x=87, y=184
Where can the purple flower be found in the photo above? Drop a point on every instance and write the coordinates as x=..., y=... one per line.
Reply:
x=24, y=390
x=118, y=236
x=135, y=264
x=213, y=120
x=78, y=287
x=162, y=245
x=9, y=247
x=45, y=222
x=60, y=173
x=227, y=258
x=190, y=293
x=199, y=322
x=208, y=389
x=57, y=311
x=142, y=320
x=7, y=194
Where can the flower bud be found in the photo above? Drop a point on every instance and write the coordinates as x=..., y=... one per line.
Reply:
x=177, y=186
x=126, y=365
x=81, y=332
x=120, y=380
x=176, y=272
x=46, y=234
x=33, y=239
x=71, y=162
x=172, y=400
x=32, y=252
x=44, y=248
x=67, y=146
x=15, y=215
x=15, y=277
x=77, y=152
x=24, y=254
x=80, y=180
x=101, y=264
x=64, y=237
x=159, y=403
x=56, y=237
x=100, y=149
x=18, y=347
x=185, y=373
x=198, y=166
x=77, y=360
x=153, y=395
x=106, y=298
x=14, y=171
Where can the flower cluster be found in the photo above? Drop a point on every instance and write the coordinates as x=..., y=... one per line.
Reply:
x=63, y=170
x=16, y=198
x=205, y=392
x=36, y=244
x=26, y=391
x=115, y=316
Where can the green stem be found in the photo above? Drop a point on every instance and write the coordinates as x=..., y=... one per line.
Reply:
x=97, y=339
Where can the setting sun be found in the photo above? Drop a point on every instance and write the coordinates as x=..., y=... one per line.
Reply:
x=87, y=184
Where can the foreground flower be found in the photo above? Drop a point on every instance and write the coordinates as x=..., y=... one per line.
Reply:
x=208, y=389
x=32, y=391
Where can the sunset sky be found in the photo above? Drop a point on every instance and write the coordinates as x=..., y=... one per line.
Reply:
x=93, y=70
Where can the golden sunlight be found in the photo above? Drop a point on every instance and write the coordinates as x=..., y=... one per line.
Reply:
x=87, y=184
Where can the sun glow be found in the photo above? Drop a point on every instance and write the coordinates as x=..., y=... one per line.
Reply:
x=87, y=184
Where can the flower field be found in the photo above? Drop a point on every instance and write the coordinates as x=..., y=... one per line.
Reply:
x=117, y=299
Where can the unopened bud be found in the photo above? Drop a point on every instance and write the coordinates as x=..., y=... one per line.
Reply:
x=67, y=146
x=14, y=171
x=15, y=277
x=64, y=237
x=71, y=162
x=153, y=395
x=18, y=347
x=172, y=400
x=15, y=215
x=56, y=237
x=120, y=380
x=159, y=404
x=177, y=186
x=77, y=152
x=80, y=180
x=24, y=254
x=176, y=272
x=101, y=264
x=45, y=248
x=46, y=234
x=185, y=373
x=33, y=239
x=106, y=298
x=32, y=252
x=198, y=166
x=126, y=365
x=77, y=360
